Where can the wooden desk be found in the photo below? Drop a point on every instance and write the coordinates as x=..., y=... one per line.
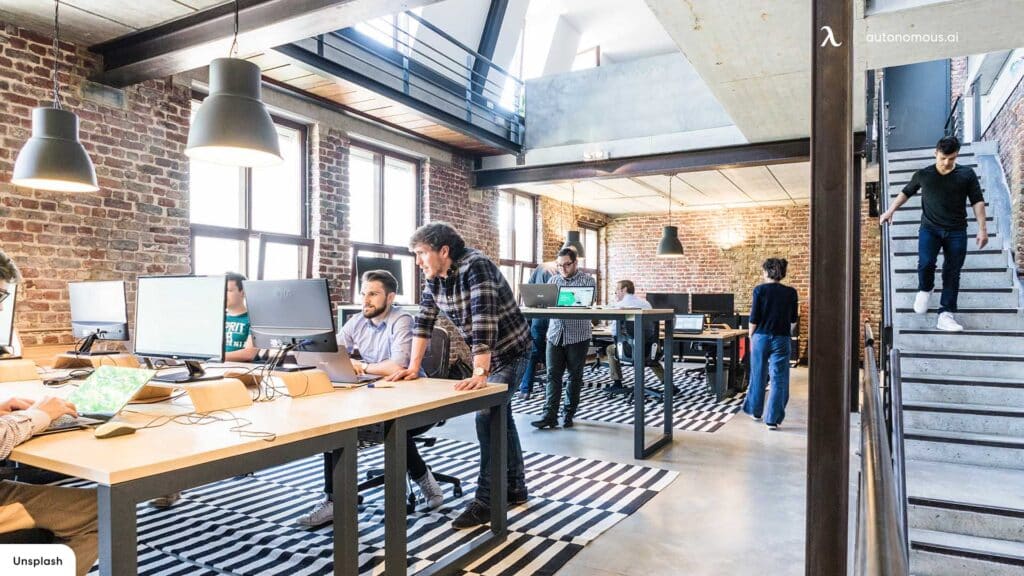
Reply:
x=637, y=316
x=152, y=462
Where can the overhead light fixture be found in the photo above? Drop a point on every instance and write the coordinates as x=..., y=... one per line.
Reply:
x=572, y=237
x=53, y=158
x=232, y=126
x=670, y=247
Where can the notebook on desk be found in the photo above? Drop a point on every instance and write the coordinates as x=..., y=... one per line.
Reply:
x=105, y=393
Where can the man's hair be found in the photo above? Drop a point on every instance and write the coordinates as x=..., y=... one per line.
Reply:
x=8, y=269
x=948, y=145
x=628, y=285
x=237, y=279
x=775, y=268
x=438, y=234
x=568, y=252
x=384, y=277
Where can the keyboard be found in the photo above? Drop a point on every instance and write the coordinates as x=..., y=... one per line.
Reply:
x=69, y=422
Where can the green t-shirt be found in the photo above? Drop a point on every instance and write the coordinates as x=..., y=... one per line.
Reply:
x=236, y=331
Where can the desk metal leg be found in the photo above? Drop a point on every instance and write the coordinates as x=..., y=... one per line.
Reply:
x=118, y=541
x=395, y=528
x=719, y=369
x=640, y=451
x=667, y=381
x=346, y=525
x=734, y=364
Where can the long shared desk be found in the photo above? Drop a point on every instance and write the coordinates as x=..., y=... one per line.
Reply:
x=157, y=461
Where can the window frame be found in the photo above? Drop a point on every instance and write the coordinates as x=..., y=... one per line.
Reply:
x=596, y=270
x=247, y=234
x=519, y=265
x=358, y=246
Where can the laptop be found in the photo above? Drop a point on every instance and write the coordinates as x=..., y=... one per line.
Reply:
x=337, y=365
x=689, y=324
x=576, y=296
x=102, y=396
x=538, y=295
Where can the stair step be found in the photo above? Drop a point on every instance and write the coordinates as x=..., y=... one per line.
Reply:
x=1004, y=319
x=936, y=553
x=906, y=244
x=912, y=165
x=967, y=519
x=978, y=486
x=980, y=259
x=926, y=154
x=962, y=364
x=917, y=222
x=972, y=418
x=968, y=298
x=910, y=228
x=921, y=387
x=965, y=448
x=912, y=213
x=914, y=202
x=982, y=341
x=969, y=278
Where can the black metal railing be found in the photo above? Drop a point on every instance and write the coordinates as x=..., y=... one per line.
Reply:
x=881, y=546
x=955, y=121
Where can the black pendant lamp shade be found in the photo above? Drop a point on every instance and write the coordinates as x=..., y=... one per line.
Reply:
x=53, y=158
x=572, y=240
x=670, y=247
x=232, y=126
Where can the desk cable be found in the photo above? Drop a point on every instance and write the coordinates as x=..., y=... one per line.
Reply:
x=204, y=418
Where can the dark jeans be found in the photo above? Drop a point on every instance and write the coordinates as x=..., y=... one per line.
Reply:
x=538, y=331
x=954, y=249
x=573, y=357
x=414, y=462
x=516, y=470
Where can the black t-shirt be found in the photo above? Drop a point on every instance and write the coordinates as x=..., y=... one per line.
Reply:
x=944, y=197
x=774, y=308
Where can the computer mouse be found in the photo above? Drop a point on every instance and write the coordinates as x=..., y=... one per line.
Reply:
x=113, y=430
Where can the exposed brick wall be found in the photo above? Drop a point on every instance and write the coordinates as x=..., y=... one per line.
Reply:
x=328, y=170
x=447, y=197
x=957, y=76
x=1007, y=128
x=136, y=224
x=870, y=273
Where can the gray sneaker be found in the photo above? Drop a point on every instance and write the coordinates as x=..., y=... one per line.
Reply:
x=165, y=502
x=322, y=514
x=432, y=492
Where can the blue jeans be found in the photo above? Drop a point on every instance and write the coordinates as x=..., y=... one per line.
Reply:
x=538, y=331
x=509, y=374
x=954, y=249
x=573, y=357
x=769, y=355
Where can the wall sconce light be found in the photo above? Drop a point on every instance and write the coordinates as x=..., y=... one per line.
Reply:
x=729, y=238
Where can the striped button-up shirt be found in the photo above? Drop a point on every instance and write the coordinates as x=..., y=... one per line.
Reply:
x=565, y=332
x=479, y=302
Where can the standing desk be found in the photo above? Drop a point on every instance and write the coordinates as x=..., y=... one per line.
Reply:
x=637, y=317
x=720, y=338
x=135, y=468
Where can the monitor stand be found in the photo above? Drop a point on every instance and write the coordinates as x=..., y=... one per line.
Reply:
x=85, y=348
x=195, y=374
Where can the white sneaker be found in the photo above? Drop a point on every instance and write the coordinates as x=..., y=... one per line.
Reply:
x=921, y=302
x=432, y=492
x=322, y=514
x=948, y=324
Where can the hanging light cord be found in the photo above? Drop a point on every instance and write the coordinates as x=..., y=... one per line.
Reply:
x=56, y=54
x=670, y=179
x=234, y=43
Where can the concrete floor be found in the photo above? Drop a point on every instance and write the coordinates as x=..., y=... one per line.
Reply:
x=737, y=506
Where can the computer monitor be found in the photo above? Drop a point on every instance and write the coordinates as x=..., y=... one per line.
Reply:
x=98, y=312
x=713, y=304
x=181, y=317
x=680, y=303
x=7, y=323
x=394, y=265
x=293, y=314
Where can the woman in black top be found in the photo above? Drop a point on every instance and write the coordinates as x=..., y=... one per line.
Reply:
x=773, y=314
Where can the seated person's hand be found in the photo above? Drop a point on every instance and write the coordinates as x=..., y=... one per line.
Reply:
x=357, y=367
x=404, y=374
x=55, y=407
x=11, y=404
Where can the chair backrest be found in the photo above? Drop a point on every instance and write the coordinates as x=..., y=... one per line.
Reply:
x=435, y=361
x=625, y=351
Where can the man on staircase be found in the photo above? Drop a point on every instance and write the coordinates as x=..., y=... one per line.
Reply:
x=945, y=189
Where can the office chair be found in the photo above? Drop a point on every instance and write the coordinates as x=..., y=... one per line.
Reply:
x=435, y=364
x=652, y=356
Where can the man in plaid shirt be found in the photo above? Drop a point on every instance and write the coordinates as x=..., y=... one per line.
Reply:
x=469, y=290
x=568, y=341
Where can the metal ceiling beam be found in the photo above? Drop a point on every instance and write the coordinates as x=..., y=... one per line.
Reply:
x=193, y=40
x=488, y=42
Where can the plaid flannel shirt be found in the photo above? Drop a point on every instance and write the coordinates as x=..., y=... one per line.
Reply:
x=479, y=302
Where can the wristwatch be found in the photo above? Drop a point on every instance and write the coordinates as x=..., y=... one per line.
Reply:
x=481, y=371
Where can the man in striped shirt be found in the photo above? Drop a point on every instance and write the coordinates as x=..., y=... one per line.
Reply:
x=467, y=287
x=568, y=341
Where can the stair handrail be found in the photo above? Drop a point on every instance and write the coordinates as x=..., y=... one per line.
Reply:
x=881, y=548
x=955, y=120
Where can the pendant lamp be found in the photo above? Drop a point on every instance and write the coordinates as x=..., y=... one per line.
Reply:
x=670, y=247
x=232, y=126
x=53, y=158
x=572, y=237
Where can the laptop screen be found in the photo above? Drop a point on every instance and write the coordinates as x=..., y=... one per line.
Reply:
x=108, y=389
x=689, y=323
x=575, y=295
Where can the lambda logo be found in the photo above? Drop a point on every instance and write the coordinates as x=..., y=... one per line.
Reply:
x=830, y=37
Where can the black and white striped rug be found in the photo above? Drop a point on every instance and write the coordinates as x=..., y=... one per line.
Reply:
x=246, y=526
x=694, y=407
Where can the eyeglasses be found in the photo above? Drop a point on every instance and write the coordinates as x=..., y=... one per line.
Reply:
x=565, y=265
x=4, y=294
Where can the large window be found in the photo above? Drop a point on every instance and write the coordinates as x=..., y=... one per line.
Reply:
x=384, y=194
x=517, y=246
x=590, y=237
x=252, y=220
